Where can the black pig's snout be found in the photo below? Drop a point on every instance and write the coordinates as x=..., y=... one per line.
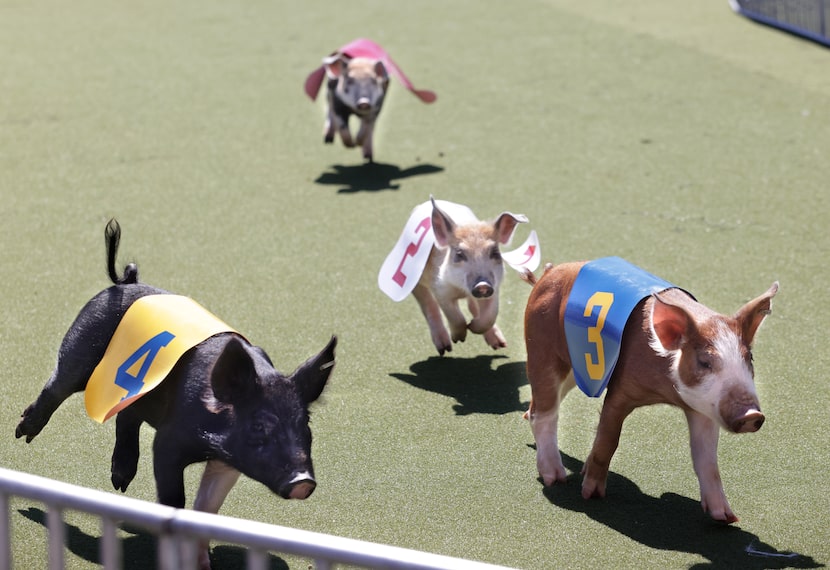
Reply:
x=300, y=486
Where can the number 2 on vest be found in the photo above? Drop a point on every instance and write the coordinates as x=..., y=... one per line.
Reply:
x=603, y=300
x=412, y=249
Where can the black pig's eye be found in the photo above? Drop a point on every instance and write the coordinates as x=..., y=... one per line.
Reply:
x=257, y=435
x=459, y=256
x=261, y=429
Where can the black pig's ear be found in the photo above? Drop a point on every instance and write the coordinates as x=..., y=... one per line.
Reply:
x=233, y=377
x=311, y=376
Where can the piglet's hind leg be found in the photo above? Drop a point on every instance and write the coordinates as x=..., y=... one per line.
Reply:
x=64, y=382
x=595, y=470
x=549, y=385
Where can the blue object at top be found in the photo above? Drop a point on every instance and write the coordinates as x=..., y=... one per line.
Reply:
x=604, y=294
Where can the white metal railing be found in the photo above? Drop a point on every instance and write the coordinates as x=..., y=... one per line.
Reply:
x=180, y=531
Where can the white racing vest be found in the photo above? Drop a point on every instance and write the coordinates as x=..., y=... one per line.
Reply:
x=403, y=267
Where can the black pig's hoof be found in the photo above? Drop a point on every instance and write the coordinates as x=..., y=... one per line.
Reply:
x=121, y=481
x=123, y=471
x=27, y=426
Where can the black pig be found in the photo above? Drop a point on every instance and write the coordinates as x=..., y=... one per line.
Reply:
x=223, y=402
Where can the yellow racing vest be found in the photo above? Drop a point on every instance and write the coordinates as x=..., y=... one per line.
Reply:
x=152, y=336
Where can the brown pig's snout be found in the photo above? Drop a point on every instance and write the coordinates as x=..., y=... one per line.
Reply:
x=483, y=289
x=749, y=422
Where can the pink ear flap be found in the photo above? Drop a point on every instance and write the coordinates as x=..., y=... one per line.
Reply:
x=670, y=323
x=363, y=47
x=314, y=81
x=442, y=225
x=506, y=224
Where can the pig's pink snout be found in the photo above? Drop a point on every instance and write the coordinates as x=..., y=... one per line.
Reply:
x=749, y=422
x=299, y=487
x=363, y=104
x=482, y=290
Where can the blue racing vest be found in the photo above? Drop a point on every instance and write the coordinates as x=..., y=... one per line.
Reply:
x=604, y=294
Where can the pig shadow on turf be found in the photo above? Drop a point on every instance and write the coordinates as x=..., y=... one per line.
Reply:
x=671, y=522
x=138, y=550
x=371, y=176
x=477, y=384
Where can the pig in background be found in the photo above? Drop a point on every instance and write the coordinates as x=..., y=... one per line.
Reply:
x=223, y=402
x=355, y=87
x=674, y=351
x=357, y=79
x=446, y=255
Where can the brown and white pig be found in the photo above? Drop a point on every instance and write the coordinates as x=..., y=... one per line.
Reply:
x=356, y=86
x=674, y=351
x=223, y=402
x=465, y=263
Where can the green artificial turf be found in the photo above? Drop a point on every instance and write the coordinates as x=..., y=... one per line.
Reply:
x=678, y=135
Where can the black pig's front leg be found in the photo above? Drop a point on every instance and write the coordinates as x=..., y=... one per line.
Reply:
x=126, y=451
x=168, y=468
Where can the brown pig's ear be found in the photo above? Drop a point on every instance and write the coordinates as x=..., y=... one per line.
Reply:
x=442, y=225
x=751, y=315
x=670, y=323
x=506, y=224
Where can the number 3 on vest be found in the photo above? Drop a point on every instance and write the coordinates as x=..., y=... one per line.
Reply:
x=604, y=300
